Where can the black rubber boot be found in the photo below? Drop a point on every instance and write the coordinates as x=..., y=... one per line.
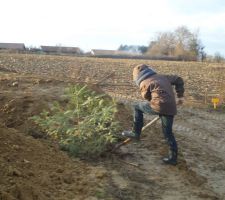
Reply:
x=171, y=159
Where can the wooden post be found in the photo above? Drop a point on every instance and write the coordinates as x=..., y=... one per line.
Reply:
x=206, y=95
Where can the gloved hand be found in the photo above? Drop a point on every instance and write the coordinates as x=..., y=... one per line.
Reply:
x=180, y=101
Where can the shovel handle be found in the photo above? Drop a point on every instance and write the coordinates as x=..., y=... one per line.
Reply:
x=129, y=139
x=150, y=123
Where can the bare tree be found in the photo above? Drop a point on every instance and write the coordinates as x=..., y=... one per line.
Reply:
x=164, y=45
x=181, y=43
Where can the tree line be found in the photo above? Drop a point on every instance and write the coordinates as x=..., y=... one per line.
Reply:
x=181, y=43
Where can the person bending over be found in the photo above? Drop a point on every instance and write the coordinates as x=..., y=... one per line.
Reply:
x=157, y=89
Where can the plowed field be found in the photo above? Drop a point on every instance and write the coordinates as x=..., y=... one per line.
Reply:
x=33, y=167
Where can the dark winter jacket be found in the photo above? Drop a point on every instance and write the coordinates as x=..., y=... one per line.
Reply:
x=158, y=90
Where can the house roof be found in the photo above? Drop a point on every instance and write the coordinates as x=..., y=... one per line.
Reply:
x=17, y=46
x=60, y=49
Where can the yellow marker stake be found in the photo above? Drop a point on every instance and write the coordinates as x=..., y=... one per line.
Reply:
x=215, y=101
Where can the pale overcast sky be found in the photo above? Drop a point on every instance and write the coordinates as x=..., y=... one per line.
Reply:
x=105, y=24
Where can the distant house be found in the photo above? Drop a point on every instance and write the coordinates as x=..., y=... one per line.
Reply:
x=60, y=49
x=35, y=50
x=12, y=46
x=101, y=52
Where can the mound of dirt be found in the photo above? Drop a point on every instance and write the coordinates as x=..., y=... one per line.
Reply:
x=37, y=168
x=34, y=169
